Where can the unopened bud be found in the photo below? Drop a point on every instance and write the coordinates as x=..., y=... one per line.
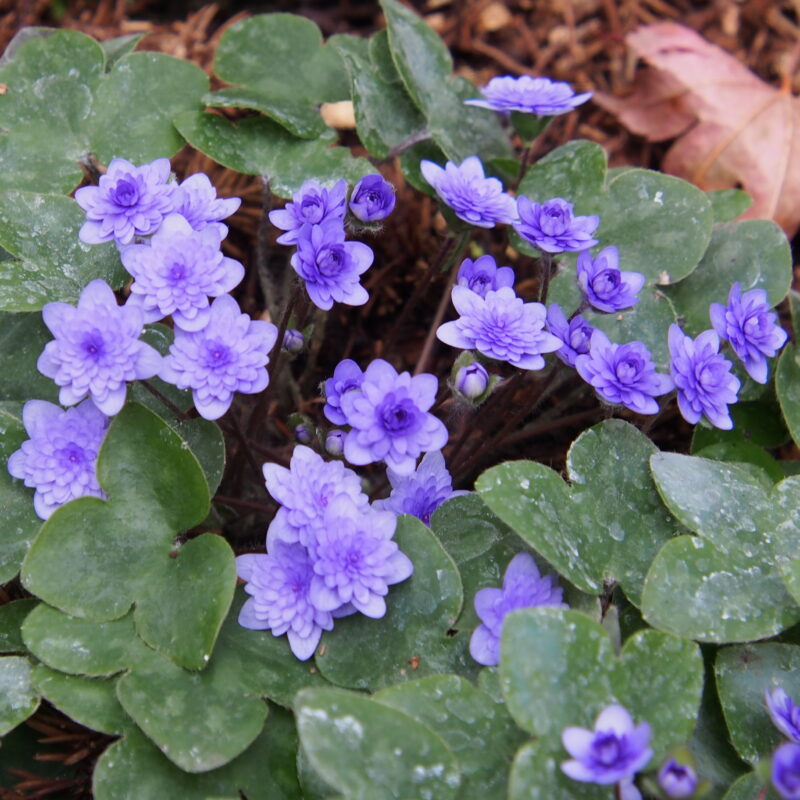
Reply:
x=293, y=341
x=334, y=443
x=677, y=780
x=303, y=434
x=472, y=380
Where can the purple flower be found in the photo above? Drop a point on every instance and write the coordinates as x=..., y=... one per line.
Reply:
x=604, y=284
x=523, y=587
x=372, y=199
x=293, y=341
x=529, y=95
x=355, y=559
x=346, y=377
x=623, y=373
x=552, y=227
x=389, y=418
x=702, y=377
x=784, y=713
x=421, y=492
x=305, y=491
x=483, y=275
x=196, y=200
x=613, y=751
x=279, y=585
x=786, y=771
x=96, y=349
x=574, y=335
x=330, y=266
x=475, y=198
x=749, y=325
x=177, y=271
x=500, y=326
x=311, y=204
x=228, y=355
x=129, y=201
x=677, y=780
x=472, y=381
x=59, y=460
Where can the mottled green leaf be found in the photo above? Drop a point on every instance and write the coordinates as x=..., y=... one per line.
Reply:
x=12, y=616
x=727, y=204
x=18, y=698
x=740, y=451
x=22, y=339
x=759, y=422
x=118, y=47
x=372, y=752
x=749, y=787
x=787, y=386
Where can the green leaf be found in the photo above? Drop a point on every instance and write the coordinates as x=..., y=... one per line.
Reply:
x=89, y=701
x=424, y=66
x=50, y=262
x=95, y=558
x=744, y=674
x=727, y=204
x=478, y=730
x=18, y=698
x=787, y=387
x=411, y=640
x=385, y=116
x=12, y=616
x=609, y=524
x=260, y=773
x=725, y=584
x=118, y=47
x=62, y=105
x=753, y=252
x=748, y=787
x=743, y=452
x=559, y=669
x=759, y=422
x=20, y=523
x=22, y=339
x=370, y=751
x=258, y=146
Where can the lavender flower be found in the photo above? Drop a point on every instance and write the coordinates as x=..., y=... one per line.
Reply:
x=305, y=491
x=228, y=355
x=475, y=198
x=784, y=713
x=613, y=751
x=483, y=275
x=389, y=418
x=355, y=559
x=472, y=381
x=330, y=266
x=529, y=95
x=749, y=325
x=607, y=287
x=702, y=377
x=574, y=335
x=677, y=780
x=552, y=227
x=311, y=204
x=372, y=199
x=196, y=200
x=177, y=271
x=421, y=492
x=523, y=587
x=500, y=326
x=623, y=373
x=96, y=349
x=59, y=460
x=279, y=585
x=786, y=771
x=346, y=377
x=128, y=201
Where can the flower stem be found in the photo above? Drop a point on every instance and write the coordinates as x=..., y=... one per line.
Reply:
x=546, y=264
x=181, y=415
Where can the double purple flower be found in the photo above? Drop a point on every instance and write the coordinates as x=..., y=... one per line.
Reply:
x=312, y=204
x=196, y=200
x=372, y=199
x=552, y=227
x=483, y=275
x=605, y=286
x=529, y=95
x=346, y=377
x=574, y=334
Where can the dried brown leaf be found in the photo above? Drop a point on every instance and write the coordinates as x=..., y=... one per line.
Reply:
x=745, y=132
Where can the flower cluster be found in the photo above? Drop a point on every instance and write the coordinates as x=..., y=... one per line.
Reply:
x=785, y=715
x=314, y=222
x=329, y=554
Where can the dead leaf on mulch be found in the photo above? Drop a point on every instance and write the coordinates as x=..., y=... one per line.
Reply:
x=735, y=130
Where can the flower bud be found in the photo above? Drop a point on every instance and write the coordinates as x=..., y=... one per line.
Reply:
x=472, y=380
x=303, y=434
x=677, y=780
x=293, y=341
x=372, y=199
x=334, y=443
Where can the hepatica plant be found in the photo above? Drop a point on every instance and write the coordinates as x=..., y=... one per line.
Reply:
x=325, y=490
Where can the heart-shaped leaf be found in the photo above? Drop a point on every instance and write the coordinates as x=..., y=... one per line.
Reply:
x=18, y=698
x=609, y=524
x=50, y=263
x=22, y=339
x=12, y=615
x=411, y=640
x=787, y=386
x=724, y=585
x=95, y=558
x=369, y=751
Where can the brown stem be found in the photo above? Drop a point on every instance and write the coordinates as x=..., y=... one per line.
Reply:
x=245, y=445
x=546, y=263
x=237, y=503
x=181, y=415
